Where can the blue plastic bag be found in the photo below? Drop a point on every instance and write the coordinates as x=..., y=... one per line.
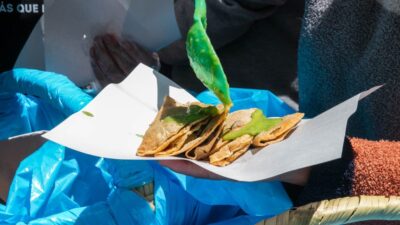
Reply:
x=243, y=98
x=56, y=185
x=43, y=107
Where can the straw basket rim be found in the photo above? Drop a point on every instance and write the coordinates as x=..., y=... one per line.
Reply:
x=340, y=211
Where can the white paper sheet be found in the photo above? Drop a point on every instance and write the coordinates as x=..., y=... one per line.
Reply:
x=32, y=54
x=123, y=112
x=63, y=43
x=70, y=27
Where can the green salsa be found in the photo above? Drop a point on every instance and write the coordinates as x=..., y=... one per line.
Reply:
x=188, y=115
x=258, y=124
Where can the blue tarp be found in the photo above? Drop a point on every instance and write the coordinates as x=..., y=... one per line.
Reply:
x=56, y=185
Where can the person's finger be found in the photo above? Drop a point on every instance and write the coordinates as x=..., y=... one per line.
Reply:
x=189, y=168
x=98, y=72
x=131, y=49
x=119, y=54
x=104, y=62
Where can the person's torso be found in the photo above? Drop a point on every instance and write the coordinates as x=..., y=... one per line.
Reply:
x=264, y=57
x=347, y=46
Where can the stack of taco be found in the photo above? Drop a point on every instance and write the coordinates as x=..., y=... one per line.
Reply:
x=205, y=132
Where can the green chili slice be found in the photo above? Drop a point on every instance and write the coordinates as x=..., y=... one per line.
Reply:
x=203, y=58
x=88, y=113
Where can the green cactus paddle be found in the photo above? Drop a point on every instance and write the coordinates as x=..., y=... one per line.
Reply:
x=203, y=58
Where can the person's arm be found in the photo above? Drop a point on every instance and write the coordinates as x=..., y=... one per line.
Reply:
x=12, y=152
x=227, y=21
x=297, y=177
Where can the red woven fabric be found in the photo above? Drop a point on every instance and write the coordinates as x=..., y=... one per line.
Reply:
x=376, y=170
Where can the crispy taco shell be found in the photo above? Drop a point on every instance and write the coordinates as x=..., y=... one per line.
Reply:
x=189, y=134
x=231, y=151
x=234, y=121
x=208, y=130
x=162, y=132
x=279, y=132
x=204, y=150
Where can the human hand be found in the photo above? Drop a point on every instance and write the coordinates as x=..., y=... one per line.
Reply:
x=298, y=177
x=12, y=152
x=112, y=59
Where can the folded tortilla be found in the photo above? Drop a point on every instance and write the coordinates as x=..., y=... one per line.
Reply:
x=226, y=152
x=279, y=132
x=203, y=136
x=231, y=151
x=234, y=121
x=204, y=150
x=237, y=119
x=201, y=132
x=190, y=133
x=169, y=124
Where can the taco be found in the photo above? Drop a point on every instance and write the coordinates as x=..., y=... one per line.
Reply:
x=205, y=132
x=172, y=124
x=245, y=128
